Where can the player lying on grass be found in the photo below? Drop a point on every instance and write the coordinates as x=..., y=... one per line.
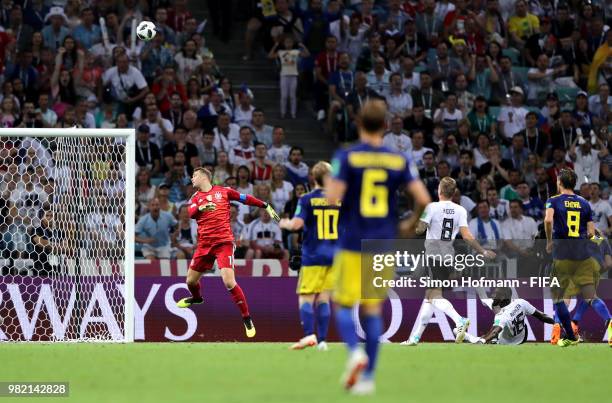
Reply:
x=319, y=219
x=210, y=207
x=509, y=324
x=570, y=232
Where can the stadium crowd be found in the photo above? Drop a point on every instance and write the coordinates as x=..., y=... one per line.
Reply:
x=499, y=94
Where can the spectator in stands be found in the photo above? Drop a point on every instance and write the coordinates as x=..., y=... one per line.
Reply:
x=153, y=231
x=185, y=237
x=517, y=153
x=262, y=131
x=282, y=190
x=243, y=113
x=178, y=180
x=487, y=231
x=148, y=155
x=429, y=173
x=399, y=103
x=519, y=231
x=341, y=84
x=43, y=241
x=127, y=84
x=397, y=139
x=278, y=153
x=541, y=80
x=243, y=176
x=261, y=168
x=145, y=191
x=600, y=104
x=297, y=170
x=288, y=56
x=582, y=116
x=532, y=206
x=466, y=174
x=209, y=113
x=165, y=88
x=227, y=134
x=243, y=153
x=563, y=132
x=418, y=148
x=265, y=239
x=602, y=211
x=499, y=208
x=512, y=118
x=535, y=140
x=586, y=158
x=378, y=77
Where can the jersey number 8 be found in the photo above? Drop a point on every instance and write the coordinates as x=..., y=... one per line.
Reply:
x=573, y=224
x=374, y=201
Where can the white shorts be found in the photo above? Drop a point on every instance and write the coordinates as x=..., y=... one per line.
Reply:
x=160, y=252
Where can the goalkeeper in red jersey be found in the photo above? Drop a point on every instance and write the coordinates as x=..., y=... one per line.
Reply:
x=210, y=207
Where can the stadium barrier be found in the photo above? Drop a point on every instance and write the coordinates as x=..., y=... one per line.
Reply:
x=270, y=289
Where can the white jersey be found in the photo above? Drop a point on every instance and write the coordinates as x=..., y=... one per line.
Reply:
x=511, y=319
x=444, y=218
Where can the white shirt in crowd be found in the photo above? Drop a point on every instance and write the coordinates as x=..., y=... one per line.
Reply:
x=264, y=234
x=398, y=104
x=223, y=142
x=240, y=155
x=105, y=225
x=601, y=211
x=122, y=82
x=413, y=82
x=156, y=135
x=289, y=62
x=491, y=242
x=281, y=196
x=514, y=120
x=417, y=155
x=522, y=231
x=242, y=117
x=279, y=155
x=501, y=211
x=586, y=166
x=399, y=142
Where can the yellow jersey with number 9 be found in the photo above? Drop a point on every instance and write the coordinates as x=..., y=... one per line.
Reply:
x=372, y=176
x=571, y=215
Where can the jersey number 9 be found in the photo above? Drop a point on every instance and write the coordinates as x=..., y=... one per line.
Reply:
x=374, y=201
x=573, y=224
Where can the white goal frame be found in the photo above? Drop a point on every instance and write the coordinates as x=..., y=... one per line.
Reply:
x=130, y=189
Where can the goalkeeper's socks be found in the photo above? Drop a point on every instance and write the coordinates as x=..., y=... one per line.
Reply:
x=323, y=313
x=240, y=300
x=346, y=327
x=581, y=308
x=445, y=306
x=565, y=320
x=601, y=309
x=307, y=318
x=373, y=329
x=194, y=289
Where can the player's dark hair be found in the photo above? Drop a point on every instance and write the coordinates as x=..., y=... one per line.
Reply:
x=567, y=178
x=204, y=171
x=517, y=202
x=372, y=116
x=502, y=297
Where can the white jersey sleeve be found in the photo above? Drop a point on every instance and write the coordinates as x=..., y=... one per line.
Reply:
x=426, y=216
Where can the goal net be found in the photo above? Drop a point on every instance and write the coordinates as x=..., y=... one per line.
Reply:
x=66, y=234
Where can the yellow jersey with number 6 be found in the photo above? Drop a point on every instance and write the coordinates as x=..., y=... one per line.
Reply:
x=372, y=176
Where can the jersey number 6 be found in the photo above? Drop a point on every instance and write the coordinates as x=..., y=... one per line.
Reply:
x=374, y=201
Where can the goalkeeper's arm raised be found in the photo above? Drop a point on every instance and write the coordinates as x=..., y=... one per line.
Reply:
x=252, y=201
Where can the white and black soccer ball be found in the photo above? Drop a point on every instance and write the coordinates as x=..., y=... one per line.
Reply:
x=146, y=31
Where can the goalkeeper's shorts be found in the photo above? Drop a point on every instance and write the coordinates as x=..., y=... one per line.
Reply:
x=315, y=279
x=223, y=253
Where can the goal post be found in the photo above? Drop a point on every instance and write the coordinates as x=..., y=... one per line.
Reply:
x=67, y=218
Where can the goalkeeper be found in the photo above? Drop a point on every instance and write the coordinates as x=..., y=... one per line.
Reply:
x=210, y=207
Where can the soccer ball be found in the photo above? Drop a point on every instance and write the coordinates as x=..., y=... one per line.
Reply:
x=146, y=31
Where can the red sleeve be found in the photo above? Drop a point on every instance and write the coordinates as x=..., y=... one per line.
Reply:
x=244, y=198
x=193, y=208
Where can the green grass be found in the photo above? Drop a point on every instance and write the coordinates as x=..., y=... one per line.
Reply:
x=269, y=373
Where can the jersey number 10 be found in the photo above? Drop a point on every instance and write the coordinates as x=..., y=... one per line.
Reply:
x=327, y=224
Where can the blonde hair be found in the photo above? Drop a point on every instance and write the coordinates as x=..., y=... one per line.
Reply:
x=320, y=170
x=447, y=187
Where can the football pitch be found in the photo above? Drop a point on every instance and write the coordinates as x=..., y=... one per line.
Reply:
x=268, y=372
